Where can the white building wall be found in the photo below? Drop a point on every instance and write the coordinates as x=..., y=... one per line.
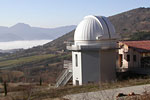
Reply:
x=77, y=70
x=125, y=50
x=125, y=62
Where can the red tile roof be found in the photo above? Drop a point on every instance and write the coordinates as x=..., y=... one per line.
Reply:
x=143, y=46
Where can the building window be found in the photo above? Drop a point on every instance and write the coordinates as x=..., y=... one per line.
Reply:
x=134, y=58
x=120, y=60
x=76, y=60
x=128, y=57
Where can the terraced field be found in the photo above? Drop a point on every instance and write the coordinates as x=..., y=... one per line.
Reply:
x=24, y=60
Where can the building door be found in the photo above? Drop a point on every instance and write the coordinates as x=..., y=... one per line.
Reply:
x=77, y=82
x=120, y=60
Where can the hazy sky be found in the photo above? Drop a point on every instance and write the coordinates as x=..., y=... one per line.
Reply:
x=54, y=13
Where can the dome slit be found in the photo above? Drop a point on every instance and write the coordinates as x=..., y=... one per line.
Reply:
x=107, y=27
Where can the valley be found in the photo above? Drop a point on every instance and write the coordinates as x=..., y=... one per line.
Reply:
x=45, y=62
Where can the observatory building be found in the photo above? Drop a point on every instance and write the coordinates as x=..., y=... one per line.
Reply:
x=94, y=53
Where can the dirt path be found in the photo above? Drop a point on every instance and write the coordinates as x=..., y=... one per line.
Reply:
x=109, y=94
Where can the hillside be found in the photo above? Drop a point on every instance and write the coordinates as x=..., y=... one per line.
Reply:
x=127, y=24
x=131, y=21
x=134, y=24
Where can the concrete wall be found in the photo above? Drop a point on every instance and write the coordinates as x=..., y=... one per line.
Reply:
x=90, y=66
x=94, y=66
x=108, y=65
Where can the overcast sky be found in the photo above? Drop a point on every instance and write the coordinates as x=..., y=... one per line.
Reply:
x=55, y=13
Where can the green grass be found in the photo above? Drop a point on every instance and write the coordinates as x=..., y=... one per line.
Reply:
x=24, y=60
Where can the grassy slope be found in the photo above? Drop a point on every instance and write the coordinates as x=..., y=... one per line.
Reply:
x=24, y=60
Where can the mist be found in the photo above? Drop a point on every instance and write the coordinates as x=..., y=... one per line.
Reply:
x=22, y=44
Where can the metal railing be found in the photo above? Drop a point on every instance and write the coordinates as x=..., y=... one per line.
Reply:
x=65, y=75
x=60, y=75
x=64, y=78
x=69, y=43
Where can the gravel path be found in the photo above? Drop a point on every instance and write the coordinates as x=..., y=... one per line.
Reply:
x=108, y=94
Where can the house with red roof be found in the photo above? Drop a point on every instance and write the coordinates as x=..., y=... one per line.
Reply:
x=134, y=54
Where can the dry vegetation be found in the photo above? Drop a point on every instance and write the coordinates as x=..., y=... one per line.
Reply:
x=46, y=62
x=31, y=68
x=44, y=92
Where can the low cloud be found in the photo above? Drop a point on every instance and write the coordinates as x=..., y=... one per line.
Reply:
x=22, y=44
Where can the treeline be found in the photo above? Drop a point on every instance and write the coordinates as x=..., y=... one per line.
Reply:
x=143, y=35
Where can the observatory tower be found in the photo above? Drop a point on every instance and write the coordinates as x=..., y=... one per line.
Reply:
x=94, y=53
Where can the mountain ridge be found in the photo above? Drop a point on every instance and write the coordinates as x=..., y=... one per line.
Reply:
x=22, y=31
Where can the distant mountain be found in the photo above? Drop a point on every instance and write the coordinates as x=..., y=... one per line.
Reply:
x=9, y=37
x=23, y=31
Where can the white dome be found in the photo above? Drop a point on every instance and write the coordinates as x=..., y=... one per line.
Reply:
x=93, y=28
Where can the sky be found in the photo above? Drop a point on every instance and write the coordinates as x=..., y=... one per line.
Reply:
x=56, y=13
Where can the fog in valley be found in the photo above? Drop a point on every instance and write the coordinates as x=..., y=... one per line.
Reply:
x=22, y=44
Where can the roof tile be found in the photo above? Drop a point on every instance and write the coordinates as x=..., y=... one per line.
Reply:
x=143, y=45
